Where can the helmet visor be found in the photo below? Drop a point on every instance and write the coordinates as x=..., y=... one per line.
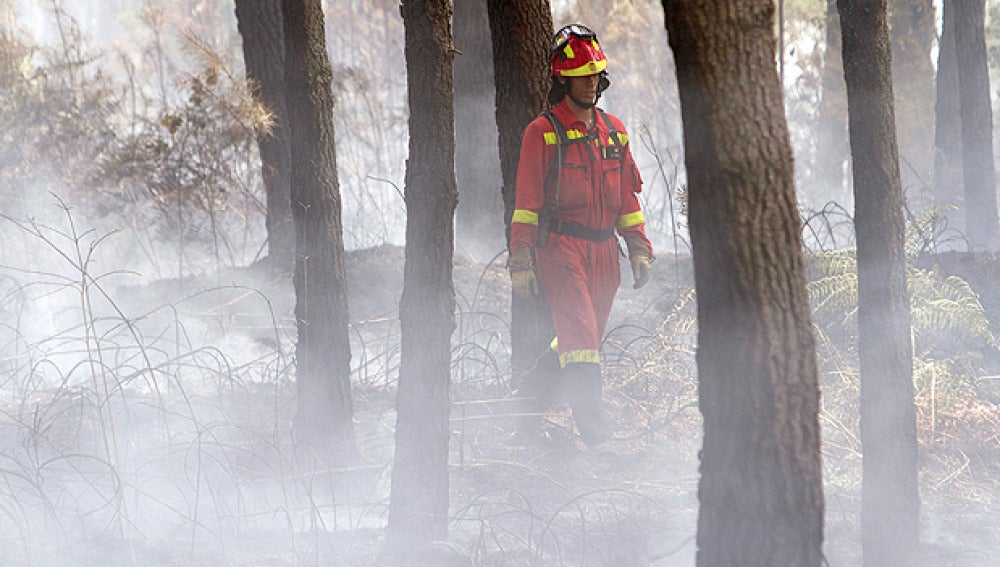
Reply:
x=561, y=38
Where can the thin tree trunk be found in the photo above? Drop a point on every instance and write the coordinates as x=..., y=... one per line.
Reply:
x=260, y=26
x=912, y=35
x=761, y=499
x=323, y=353
x=978, y=172
x=948, y=183
x=477, y=168
x=521, y=30
x=890, y=502
x=831, y=131
x=418, y=507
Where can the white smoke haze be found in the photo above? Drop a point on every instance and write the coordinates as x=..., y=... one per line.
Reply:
x=147, y=358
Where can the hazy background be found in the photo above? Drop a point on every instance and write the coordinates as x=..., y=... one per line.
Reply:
x=146, y=368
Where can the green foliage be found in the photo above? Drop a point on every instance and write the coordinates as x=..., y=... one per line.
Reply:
x=949, y=323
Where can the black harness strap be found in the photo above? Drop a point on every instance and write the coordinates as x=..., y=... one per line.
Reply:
x=554, y=176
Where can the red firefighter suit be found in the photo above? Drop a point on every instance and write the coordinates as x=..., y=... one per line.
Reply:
x=597, y=192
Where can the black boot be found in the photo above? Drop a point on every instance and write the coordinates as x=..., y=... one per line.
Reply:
x=536, y=393
x=583, y=384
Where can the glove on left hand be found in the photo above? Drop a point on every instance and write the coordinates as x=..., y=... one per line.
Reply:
x=641, y=259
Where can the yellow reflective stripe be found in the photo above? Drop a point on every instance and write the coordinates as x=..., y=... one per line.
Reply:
x=569, y=51
x=622, y=138
x=554, y=345
x=588, y=68
x=551, y=139
x=630, y=220
x=584, y=355
x=525, y=217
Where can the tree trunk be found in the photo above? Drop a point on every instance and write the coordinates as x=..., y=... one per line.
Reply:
x=521, y=31
x=477, y=162
x=912, y=34
x=978, y=171
x=418, y=508
x=890, y=502
x=761, y=486
x=948, y=184
x=831, y=130
x=259, y=22
x=323, y=353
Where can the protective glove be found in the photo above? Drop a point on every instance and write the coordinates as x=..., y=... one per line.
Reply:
x=641, y=259
x=522, y=274
x=641, y=270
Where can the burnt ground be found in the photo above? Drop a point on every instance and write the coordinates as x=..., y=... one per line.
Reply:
x=233, y=494
x=633, y=501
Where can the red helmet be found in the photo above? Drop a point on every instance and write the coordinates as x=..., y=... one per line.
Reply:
x=576, y=52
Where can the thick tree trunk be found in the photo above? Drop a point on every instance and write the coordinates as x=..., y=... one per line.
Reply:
x=418, y=508
x=521, y=30
x=890, y=502
x=260, y=27
x=831, y=131
x=477, y=162
x=323, y=353
x=948, y=183
x=978, y=171
x=912, y=34
x=761, y=485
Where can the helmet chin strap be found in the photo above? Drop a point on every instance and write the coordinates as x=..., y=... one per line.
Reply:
x=582, y=104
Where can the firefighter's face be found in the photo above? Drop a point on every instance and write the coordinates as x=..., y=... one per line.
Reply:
x=583, y=88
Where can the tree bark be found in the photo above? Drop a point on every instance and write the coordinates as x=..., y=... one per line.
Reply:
x=260, y=26
x=831, y=131
x=976, y=111
x=912, y=35
x=323, y=353
x=477, y=162
x=418, y=508
x=521, y=31
x=948, y=183
x=761, y=486
x=890, y=501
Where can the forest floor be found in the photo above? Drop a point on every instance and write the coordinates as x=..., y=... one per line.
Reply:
x=179, y=450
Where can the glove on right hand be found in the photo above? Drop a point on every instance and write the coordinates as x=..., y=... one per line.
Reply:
x=522, y=274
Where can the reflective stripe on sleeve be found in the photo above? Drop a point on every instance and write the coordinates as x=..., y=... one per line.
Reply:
x=583, y=355
x=525, y=217
x=630, y=220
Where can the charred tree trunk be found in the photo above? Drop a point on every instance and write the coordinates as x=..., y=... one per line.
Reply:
x=890, y=502
x=948, y=184
x=260, y=27
x=477, y=163
x=757, y=376
x=323, y=353
x=521, y=30
x=418, y=507
x=912, y=34
x=976, y=111
x=831, y=131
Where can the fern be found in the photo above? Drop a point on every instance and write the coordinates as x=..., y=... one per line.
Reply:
x=939, y=305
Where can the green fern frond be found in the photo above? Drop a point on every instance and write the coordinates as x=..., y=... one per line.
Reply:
x=834, y=293
x=834, y=262
x=946, y=305
x=920, y=228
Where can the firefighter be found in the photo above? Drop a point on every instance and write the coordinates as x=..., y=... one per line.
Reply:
x=577, y=184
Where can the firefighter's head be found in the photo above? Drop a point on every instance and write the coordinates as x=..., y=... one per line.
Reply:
x=577, y=58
